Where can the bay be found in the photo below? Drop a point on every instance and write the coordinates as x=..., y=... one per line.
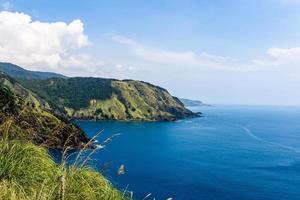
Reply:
x=232, y=152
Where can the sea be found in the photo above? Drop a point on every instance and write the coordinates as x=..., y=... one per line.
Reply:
x=232, y=152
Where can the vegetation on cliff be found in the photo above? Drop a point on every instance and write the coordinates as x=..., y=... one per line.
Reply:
x=98, y=98
x=24, y=116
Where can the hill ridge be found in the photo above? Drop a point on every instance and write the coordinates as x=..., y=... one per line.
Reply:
x=105, y=98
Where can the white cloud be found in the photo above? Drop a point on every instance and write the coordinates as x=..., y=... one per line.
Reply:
x=274, y=57
x=58, y=47
x=41, y=45
x=280, y=56
x=172, y=57
x=6, y=6
x=157, y=55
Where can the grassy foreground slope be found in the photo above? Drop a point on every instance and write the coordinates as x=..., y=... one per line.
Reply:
x=27, y=172
x=100, y=98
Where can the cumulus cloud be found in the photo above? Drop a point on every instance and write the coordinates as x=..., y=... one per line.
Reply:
x=41, y=45
x=172, y=57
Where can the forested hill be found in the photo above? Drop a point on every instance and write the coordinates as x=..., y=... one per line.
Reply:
x=99, y=98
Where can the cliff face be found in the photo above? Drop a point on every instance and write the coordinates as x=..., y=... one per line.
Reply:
x=23, y=115
x=99, y=98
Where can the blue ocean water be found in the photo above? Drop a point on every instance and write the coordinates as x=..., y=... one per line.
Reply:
x=232, y=153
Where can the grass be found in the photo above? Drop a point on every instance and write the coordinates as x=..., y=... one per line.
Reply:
x=28, y=172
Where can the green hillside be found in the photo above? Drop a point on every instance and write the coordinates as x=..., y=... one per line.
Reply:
x=24, y=116
x=99, y=98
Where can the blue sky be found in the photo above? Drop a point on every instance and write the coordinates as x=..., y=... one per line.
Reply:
x=218, y=51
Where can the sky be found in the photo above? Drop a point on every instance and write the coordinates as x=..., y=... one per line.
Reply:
x=217, y=51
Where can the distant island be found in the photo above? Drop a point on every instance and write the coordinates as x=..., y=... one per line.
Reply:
x=192, y=103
